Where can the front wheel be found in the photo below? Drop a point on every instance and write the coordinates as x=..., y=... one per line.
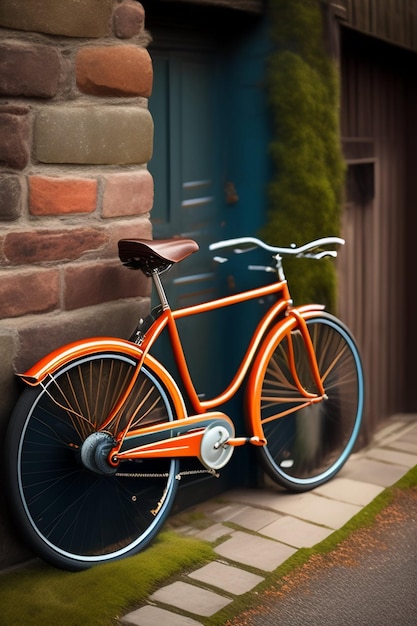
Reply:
x=73, y=508
x=308, y=446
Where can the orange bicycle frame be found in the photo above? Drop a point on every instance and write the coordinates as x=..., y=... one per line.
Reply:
x=189, y=429
x=168, y=319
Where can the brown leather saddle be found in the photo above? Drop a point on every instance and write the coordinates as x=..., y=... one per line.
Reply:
x=154, y=255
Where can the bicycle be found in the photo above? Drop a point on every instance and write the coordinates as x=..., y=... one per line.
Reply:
x=95, y=440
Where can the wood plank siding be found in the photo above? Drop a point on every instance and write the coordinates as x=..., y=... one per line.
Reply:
x=394, y=21
x=248, y=6
x=378, y=94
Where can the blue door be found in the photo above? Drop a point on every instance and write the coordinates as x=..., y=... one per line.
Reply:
x=188, y=196
x=209, y=145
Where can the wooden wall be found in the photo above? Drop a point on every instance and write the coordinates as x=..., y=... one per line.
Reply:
x=392, y=20
x=375, y=273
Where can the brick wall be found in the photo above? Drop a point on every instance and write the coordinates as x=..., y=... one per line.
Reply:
x=75, y=138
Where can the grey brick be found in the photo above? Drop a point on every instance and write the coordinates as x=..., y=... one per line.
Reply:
x=72, y=18
x=50, y=332
x=100, y=135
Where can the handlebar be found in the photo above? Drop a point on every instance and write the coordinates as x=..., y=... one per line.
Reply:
x=300, y=251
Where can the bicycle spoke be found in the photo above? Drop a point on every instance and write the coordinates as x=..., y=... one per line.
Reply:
x=73, y=516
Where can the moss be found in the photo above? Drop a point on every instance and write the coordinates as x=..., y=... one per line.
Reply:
x=306, y=189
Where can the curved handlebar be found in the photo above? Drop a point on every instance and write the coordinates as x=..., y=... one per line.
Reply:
x=293, y=250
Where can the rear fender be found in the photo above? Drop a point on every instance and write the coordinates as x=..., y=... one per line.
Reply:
x=51, y=363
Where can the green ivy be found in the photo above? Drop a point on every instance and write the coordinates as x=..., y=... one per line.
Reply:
x=306, y=190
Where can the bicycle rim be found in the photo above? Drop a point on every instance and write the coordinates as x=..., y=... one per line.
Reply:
x=308, y=446
x=72, y=516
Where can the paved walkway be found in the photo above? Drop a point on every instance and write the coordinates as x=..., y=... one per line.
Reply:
x=270, y=526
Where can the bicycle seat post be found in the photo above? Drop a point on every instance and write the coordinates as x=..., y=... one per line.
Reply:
x=160, y=289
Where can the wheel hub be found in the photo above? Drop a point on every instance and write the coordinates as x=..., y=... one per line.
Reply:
x=95, y=452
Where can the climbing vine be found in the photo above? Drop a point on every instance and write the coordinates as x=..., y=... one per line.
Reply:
x=308, y=169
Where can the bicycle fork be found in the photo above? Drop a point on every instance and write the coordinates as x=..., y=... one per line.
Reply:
x=311, y=354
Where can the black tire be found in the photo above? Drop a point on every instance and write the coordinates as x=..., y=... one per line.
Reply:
x=71, y=516
x=308, y=446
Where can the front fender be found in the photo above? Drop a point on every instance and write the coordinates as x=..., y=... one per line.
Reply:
x=309, y=308
x=52, y=362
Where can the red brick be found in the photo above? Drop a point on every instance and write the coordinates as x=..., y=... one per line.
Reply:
x=128, y=19
x=91, y=284
x=114, y=71
x=128, y=194
x=59, y=196
x=139, y=227
x=22, y=293
x=15, y=136
x=49, y=245
x=29, y=70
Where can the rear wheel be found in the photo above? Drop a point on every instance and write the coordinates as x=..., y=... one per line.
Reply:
x=308, y=446
x=72, y=506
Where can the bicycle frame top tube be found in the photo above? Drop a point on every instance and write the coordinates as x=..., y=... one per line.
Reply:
x=168, y=319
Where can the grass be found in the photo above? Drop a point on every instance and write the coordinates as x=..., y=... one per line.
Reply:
x=41, y=595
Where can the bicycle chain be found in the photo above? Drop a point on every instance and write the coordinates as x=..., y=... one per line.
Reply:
x=166, y=475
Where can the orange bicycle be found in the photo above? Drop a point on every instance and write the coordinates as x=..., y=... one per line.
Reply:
x=95, y=440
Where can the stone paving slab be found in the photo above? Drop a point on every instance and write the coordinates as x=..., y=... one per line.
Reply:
x=390, y=430
x=152, y=615
x=411, y=435
x=247, y=516
x=283, y=522
x=404, y=446
x=246, y=549
x=295, y=532
x=225, y=512
x=392, y=456
x=212, y=533
x=316, y=509
x=374, y=472
x=396, y=431
x=191, y=598
x=347, y=490
x=227, y=577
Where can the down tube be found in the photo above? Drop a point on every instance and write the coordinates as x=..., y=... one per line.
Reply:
x=255, y=342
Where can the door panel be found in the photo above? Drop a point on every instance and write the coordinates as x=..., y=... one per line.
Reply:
x=208, y=106
x=187, y=203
